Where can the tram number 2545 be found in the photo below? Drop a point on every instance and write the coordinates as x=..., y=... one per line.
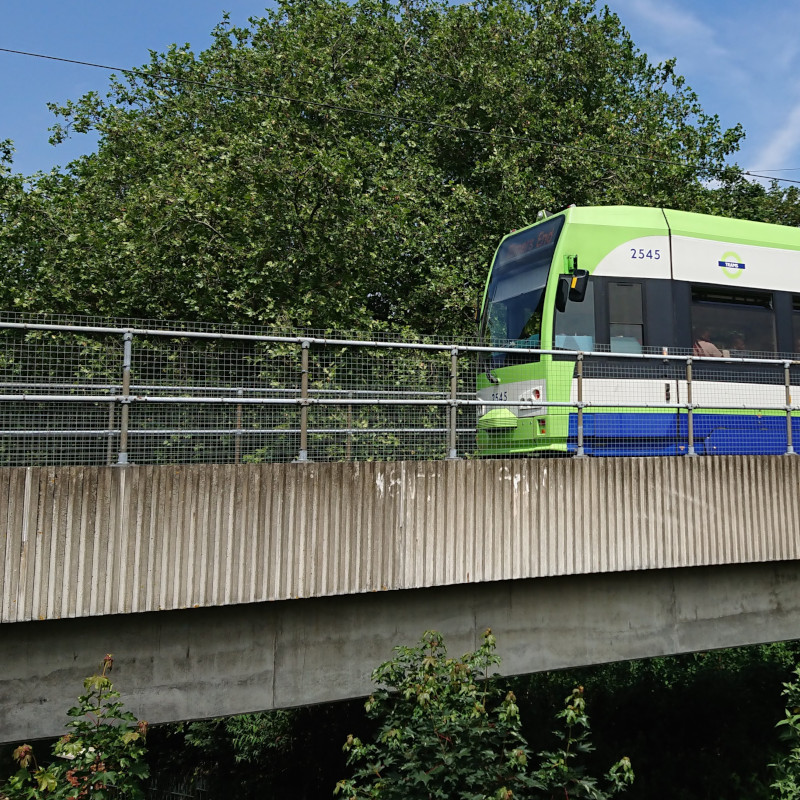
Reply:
x=653, y=255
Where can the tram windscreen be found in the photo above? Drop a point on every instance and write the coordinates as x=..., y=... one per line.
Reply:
x=515, y=297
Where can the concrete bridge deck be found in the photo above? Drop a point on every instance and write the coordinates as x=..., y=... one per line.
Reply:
x=223, y=589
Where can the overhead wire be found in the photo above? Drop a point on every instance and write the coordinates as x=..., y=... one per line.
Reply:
x=380, y=114
x=779, y=169
x=770, y=177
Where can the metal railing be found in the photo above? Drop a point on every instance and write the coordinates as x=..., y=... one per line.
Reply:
x=726, y=377
x=93, y=394
x=98, y=394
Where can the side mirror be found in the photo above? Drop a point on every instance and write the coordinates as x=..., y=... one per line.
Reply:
x=579, y=280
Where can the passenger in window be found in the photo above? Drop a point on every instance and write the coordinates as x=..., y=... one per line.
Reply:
x=703, y=346
x=737, y=346
x=737, y=342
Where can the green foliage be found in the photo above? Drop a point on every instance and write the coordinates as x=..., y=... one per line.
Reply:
x=446, y=730
x=212, y=198
x=235, y=756
x=276, y=754
x=787, y=767
x=559, y=772
x=102, y=757
x=697, y=726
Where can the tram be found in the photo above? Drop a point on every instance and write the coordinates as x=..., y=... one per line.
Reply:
x=600, y=293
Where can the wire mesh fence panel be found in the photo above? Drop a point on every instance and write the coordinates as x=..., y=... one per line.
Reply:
x=226, y=401
x=632, y=407
x=46, y=380
x=167, y=786
x=378, y=433
x=164, y=365
x=125, y=396
x=373, y=403
x=48, y=361
x=741, y=409
x=57, y=433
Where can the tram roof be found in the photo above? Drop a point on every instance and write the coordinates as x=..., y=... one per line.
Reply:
x=690, y=224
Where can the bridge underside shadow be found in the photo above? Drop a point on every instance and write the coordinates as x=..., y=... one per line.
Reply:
x=191, y=664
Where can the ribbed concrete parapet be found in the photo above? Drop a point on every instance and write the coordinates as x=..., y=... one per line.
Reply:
x=82, y=542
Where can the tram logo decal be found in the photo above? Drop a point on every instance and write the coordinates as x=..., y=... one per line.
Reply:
x=732, y=265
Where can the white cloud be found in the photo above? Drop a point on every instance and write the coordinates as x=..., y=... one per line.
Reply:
x=672, y=29
x=668, y=17
x=783, y=145
x=677, y=29
x=743, y=66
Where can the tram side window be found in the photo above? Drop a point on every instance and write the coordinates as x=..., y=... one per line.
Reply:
x=733, y=323
x=625, y=317
x=796, y=324
x=575, y=326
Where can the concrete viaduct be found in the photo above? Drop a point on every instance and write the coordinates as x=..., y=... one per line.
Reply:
x=225, y=589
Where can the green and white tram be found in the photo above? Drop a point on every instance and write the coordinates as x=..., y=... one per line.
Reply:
x=639, y=281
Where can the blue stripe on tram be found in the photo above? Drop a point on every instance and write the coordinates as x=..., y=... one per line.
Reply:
x=654, y=434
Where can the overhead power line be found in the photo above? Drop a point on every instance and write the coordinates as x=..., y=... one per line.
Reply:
x=377, y=114
x=770, y=177
x=779, y=169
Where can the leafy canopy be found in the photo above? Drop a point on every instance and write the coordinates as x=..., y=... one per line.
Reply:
x=214, y=197
x=786, y=769
x=101, y=758
x=447, y=731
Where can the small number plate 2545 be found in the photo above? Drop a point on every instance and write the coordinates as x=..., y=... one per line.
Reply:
x=653, y=255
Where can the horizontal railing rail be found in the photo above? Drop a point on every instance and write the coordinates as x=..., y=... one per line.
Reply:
x=95, y=394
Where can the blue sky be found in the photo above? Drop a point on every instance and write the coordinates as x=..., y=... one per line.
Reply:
x=742, y=58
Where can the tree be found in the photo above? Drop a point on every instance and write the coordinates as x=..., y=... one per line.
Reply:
x=787, y=768
x=215, y=195
x=445, y=732
x=282, y=753
x=102, y=757
x=697, y=725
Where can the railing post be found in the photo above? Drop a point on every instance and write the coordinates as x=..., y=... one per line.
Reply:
x=579, y=375
x=787, y=380
x=689, y=409
x=125, y=399
x=302, y=456
x=453, y=441
x=237, y=446
x=348, y=446
x=110, y=439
